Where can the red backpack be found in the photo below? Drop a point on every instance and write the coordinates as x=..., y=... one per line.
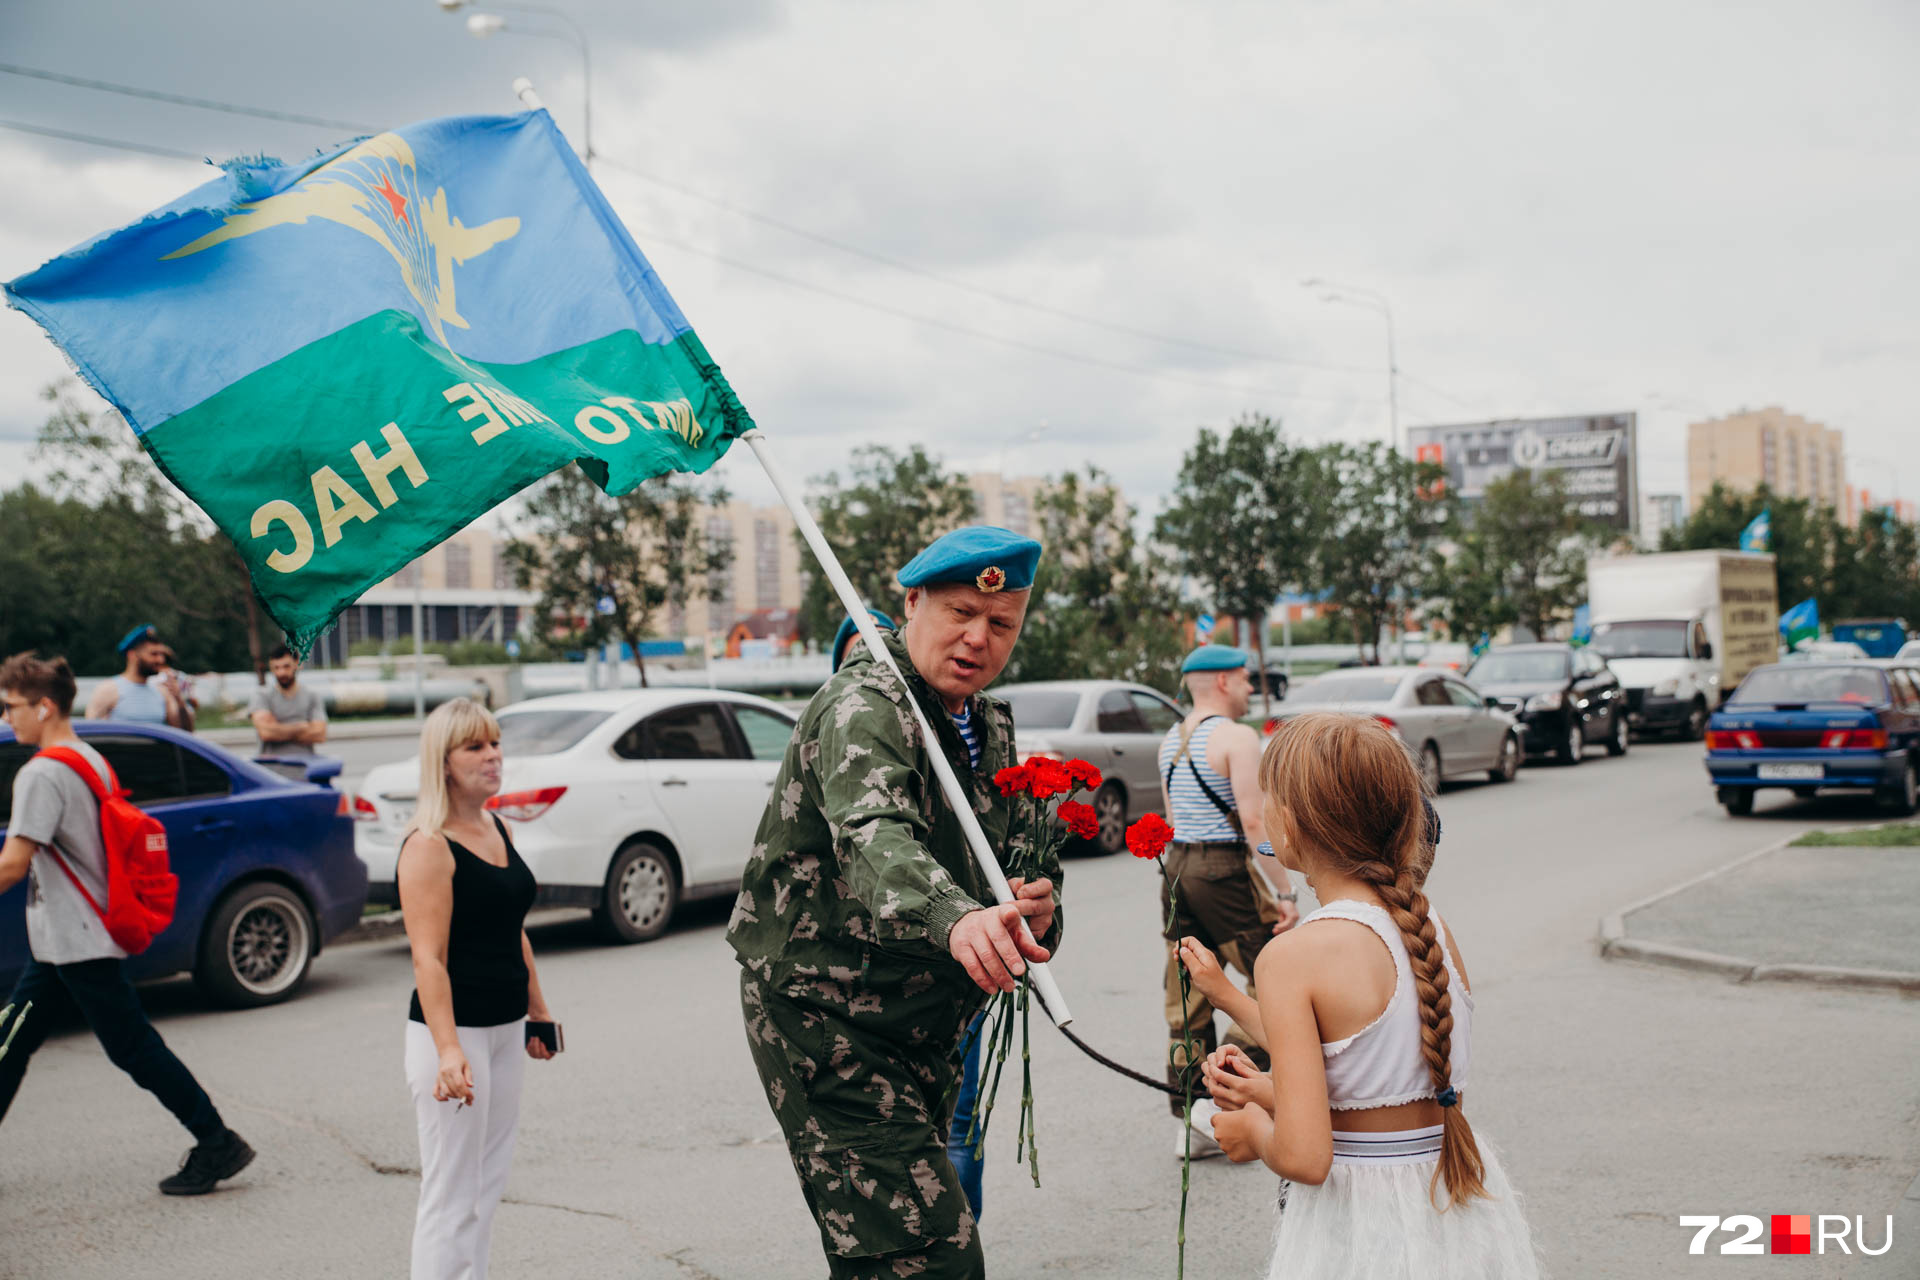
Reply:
x=141, y=891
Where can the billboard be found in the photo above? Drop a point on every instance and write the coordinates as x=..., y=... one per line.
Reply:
x=1594, y=455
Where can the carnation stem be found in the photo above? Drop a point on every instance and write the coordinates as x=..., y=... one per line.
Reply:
x=18, y=1023
x=1187, y=1048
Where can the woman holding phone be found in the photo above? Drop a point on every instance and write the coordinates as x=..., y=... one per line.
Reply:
x=464, y=895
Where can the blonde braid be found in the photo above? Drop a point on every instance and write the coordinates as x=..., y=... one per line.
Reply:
x=1460, y=1164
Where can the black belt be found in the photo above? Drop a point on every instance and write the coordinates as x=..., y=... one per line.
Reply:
x=1209, y=844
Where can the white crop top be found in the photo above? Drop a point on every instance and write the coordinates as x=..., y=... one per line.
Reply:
x=1381, y=1065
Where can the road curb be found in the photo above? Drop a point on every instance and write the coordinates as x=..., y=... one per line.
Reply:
x=1615, y=944
x=390, y=923
x=372, y=929
x=337, y=731
x=1839, y=976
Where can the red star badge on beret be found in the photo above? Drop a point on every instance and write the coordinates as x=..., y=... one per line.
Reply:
x=991, y=579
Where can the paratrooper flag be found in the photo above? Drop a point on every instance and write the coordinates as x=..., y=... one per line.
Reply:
x=347, y=360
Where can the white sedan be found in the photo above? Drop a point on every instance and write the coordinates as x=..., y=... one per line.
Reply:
x=629, y=802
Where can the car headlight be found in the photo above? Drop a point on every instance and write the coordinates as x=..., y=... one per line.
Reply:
x=1666, y=688
x=1545, y=701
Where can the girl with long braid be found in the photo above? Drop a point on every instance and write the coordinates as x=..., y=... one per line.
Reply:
x=1365, y=1009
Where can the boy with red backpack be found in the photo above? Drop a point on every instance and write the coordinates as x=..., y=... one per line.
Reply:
x=55, y=837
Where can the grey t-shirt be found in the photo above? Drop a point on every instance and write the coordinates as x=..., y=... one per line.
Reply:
x=52, y=805
x=302, y=704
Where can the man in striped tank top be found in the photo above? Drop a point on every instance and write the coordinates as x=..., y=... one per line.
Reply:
x=1208, y=766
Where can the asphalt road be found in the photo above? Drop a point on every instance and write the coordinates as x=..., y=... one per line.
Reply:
x=1620, y=1096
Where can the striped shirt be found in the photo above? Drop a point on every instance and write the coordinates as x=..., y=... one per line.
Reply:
x=1196, y=819
x=963, y=721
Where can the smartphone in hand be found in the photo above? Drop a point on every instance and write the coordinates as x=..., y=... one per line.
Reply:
x=549, y=1034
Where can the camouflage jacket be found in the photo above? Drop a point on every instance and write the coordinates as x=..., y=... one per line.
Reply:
x=859, y=866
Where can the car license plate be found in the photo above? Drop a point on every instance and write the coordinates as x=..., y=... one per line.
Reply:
x=1791, y=772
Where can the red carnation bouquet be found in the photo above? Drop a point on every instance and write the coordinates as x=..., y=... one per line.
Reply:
x=1041, y=789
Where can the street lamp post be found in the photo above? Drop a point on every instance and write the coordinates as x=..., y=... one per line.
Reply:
x=1354, y=295
x=1372, y=300
x=482, y=25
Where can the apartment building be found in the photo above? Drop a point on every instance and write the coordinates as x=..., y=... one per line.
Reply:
x=1788, y=453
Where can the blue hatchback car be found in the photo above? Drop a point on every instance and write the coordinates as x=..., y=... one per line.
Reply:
x=1809, y=726
x=266, y=864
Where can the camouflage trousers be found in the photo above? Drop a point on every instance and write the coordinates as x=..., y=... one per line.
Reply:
x=1229, y=907
x=866, y=1121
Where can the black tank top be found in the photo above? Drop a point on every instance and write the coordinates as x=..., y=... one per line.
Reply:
x=484, y=961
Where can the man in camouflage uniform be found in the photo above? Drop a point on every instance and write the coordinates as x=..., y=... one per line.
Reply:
x=864, y=947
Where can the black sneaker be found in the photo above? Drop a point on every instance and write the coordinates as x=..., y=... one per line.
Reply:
x=207, y=1164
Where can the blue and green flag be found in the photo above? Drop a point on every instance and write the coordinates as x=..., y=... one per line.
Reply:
x=347, y=360
x=1758, y=535
x=1802, y=622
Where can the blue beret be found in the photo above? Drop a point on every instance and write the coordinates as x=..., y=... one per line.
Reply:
x=848, y=631
x=1215, y=657
x=139, y=635
x=978, y=555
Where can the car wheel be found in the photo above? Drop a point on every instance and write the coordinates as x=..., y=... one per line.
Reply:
x=256, y=947
x=1110, y=807
x=1620, y=738
x=642, y=891
x=1903, y=800
x=1430, y=769
x=1738, y=800
x=1574, y=748
x=1696, y=721
x=1509, y=767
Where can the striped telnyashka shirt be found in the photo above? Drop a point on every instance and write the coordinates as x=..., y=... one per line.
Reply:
x=964, y=723
x=1196, y=819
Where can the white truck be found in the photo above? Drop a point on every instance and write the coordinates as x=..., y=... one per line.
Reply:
x=1681, y=629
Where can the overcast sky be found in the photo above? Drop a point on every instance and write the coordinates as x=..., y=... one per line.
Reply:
x=1675, y=209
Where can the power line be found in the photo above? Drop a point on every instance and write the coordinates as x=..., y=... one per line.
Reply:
x=182, y=100
x=999, y=339
x=740, y=210
x=897, y=264
x=91, y=140
x=953, y=282
x=1441, y=392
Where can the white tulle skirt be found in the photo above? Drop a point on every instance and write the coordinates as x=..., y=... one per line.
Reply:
x=1372, y=1219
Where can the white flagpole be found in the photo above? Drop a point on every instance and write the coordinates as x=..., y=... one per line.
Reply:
x=1050, y=997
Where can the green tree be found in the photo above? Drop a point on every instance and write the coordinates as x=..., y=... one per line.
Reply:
x=108, y=542
x=1521, y=553
x=605, y=566
x=890, y=505
x=1463, y=586
x=1103, y=606
x=1377, y=518
x=1241, y=518
x=1876, y=572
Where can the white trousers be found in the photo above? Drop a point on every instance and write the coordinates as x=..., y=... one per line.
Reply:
x=465, y=1151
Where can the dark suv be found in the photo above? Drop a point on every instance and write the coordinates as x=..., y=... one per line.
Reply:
x=1563, y=696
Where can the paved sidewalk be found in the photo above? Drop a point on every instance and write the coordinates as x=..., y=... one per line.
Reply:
x=1829, y=914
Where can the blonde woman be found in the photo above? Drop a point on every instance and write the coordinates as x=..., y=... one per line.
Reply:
x=464, y=894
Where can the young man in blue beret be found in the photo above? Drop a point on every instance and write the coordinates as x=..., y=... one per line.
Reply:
x=1209, y=767
x=865, y=942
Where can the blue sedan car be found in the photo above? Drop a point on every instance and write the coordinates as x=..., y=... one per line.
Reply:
x=266, y=864
x=1808, y=726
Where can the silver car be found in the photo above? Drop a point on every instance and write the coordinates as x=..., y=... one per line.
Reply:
x=1114, y=726
x=1443, y=720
